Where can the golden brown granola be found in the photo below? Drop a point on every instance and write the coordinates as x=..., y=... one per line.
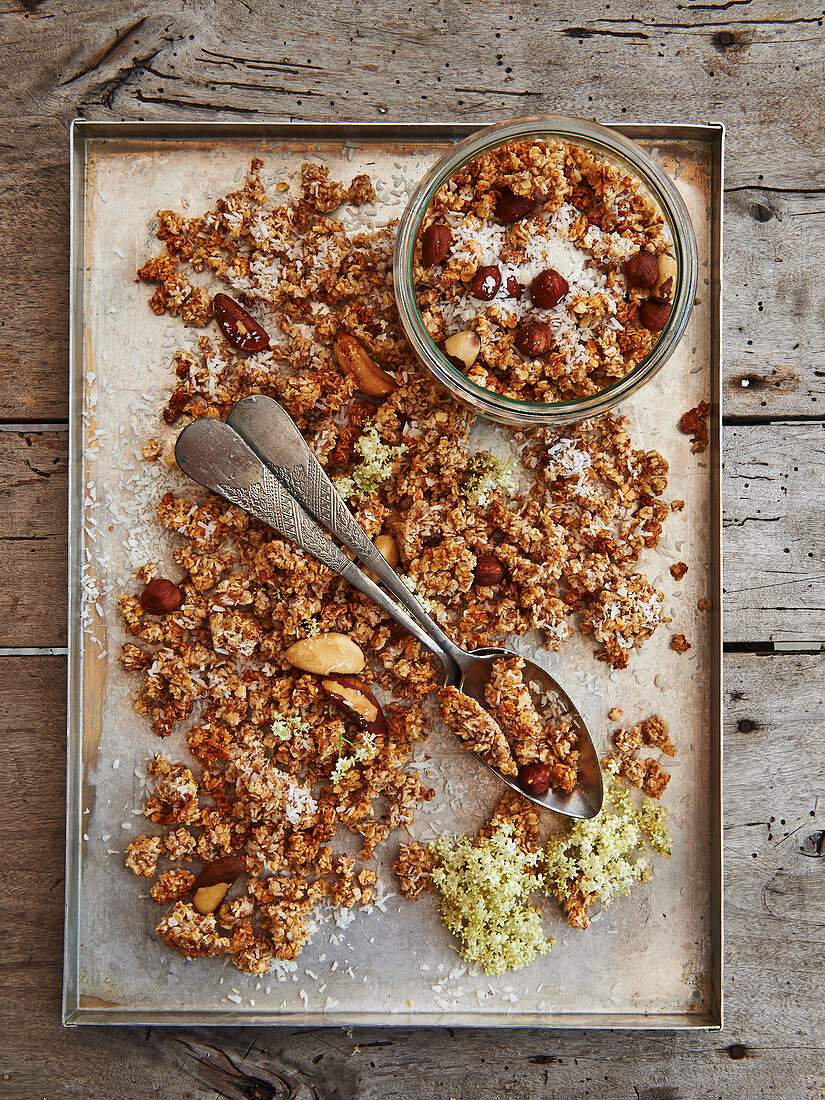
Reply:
x=583, y=205
x=695, y=424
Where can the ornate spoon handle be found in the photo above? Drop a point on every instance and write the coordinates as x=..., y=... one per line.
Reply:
x=274, y=437
x=215, y=456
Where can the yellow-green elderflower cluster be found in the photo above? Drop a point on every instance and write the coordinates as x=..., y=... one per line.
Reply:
x=606, y=855
x=485, y=475
x=364, y=751
x=285, y=728
x=485, y=885
x=373, y=469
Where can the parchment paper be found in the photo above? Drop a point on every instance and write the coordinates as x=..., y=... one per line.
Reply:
x=648, y=953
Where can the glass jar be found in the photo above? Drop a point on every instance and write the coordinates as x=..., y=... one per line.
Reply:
x=613, y=147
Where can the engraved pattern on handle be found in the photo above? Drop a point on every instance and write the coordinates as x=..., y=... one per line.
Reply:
x=268, y=500
x=310, y=485
x=313, y=489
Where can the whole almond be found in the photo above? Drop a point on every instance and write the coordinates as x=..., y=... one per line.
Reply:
x=486, y=282
x=325, y=654
x=642, y=269
x=354, y=361
x=534, y=339
x=548, y=288
x=356, y=700
x=489, y=571
x=462, y=348
x=240, y=330
x=655, y=315
x=511, y=207
x=435, y=244
x=160, y=596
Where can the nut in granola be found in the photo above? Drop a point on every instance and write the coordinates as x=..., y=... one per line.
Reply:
x=325, y=654
x=354, y=361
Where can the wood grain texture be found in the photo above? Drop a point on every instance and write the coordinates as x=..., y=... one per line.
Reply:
x=33, y=509
x=773, y=1043
x=774, y=537
x=755, y=65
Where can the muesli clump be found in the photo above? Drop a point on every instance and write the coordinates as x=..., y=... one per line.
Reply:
x=280, y=768
x=543, y=271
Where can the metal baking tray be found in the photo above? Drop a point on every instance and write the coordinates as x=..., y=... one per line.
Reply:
x=655, y=959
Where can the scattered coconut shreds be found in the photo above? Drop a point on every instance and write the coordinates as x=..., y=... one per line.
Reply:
x=276, y=781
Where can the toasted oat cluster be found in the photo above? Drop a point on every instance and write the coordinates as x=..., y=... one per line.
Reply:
x=512, y=733
x=552, y=257
x=625, y=761
x=280, y=768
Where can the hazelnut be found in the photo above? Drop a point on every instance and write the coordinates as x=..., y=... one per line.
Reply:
x=462, y=349
x=663, y=288
x=514, y=287
x=435, y=244
x=642, y=269
x=654, y=315
x=548, y=289
x=511, y=207
x=534, y=339
x=489, y=571
x=534, y=778
x=160, y=596
x=485, y=283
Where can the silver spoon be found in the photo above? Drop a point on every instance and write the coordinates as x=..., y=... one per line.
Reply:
x=216, y=455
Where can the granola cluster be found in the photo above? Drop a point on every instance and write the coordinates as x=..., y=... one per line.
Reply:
x=512, y=733
x=568, y=212
x=646, y=773
x=281, y=769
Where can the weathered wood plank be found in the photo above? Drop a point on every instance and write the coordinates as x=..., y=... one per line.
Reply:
x=774, y=538
x=485, y=63
x=774, y=301
x=33, y=496
x=773, y=1044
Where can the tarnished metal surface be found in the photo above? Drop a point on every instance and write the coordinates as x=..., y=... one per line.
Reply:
x=653, y=960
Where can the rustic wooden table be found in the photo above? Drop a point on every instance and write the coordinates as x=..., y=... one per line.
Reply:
x=751, y=64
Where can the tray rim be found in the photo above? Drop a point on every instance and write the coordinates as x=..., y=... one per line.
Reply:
x=75, y=1007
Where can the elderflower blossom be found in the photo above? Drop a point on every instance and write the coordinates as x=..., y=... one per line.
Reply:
x=486, y=475
x=484, y=886
x=375, y=466
x=285, y=728
x=606, y=855
x=341, y=768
